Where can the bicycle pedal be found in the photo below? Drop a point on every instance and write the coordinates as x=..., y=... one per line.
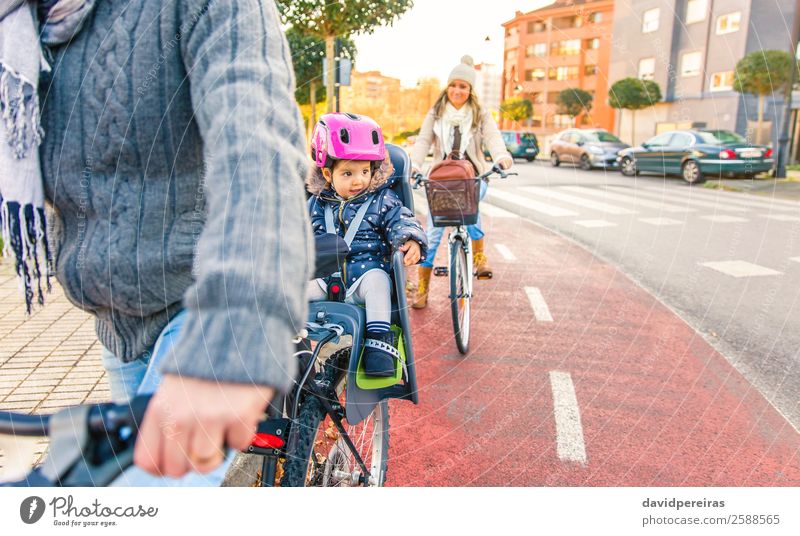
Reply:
x=440, y=271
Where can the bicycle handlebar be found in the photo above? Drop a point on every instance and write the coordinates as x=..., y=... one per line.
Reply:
x=89, y=445
x=101, y=419
x=419, y=178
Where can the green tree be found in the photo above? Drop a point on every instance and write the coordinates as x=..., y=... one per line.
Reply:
x=762, y=73
x=516, y=109
x=633, y=94
x=307, y=54
x=328, y=20
x=573, y=102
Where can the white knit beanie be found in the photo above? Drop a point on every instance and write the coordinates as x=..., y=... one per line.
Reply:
x=463, y=71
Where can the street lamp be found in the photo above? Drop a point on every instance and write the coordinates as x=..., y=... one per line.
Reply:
x=783, y=139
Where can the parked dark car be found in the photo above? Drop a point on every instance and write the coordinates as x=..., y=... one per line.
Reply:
x=695, y=154
x=588, y=148
x=519, y=144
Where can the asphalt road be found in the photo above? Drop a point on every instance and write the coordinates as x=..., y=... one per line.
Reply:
x=728, y=263
x=576, y=376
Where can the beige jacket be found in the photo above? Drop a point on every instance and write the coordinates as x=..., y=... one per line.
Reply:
x=486, y=133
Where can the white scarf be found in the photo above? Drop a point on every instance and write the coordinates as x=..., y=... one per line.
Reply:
x=445, y=127
x=22, y=220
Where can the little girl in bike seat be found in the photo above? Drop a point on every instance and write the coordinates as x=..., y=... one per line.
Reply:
x=352, y=197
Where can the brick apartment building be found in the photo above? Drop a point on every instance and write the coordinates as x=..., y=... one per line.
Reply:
x=397, y=109
x=564, y=45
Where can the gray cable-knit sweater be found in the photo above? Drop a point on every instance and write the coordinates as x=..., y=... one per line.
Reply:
x=174, y=160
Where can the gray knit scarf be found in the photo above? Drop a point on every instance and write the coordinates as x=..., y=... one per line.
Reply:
x=22, y=217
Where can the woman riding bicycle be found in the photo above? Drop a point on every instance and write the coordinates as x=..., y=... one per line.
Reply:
x=455, y=114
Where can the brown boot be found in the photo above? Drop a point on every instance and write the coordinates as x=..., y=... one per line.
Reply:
x=423, y=283
x=479, y=261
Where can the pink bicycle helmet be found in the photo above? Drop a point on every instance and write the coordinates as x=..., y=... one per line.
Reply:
x=344, y=136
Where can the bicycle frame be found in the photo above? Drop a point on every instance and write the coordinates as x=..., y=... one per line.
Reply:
x=461, y=232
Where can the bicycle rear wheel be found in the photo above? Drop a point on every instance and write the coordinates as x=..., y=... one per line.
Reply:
x=459, y=294
x=318, y=455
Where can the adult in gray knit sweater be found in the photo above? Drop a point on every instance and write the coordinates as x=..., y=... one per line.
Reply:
x=172, y=156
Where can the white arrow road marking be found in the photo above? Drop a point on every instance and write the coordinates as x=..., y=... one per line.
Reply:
x=569, y=431
x=539, y=306
x=739, y=268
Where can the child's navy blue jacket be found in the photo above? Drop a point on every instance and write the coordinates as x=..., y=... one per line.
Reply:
x=387, y=225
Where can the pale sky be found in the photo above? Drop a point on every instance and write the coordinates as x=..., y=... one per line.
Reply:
x=416, y=46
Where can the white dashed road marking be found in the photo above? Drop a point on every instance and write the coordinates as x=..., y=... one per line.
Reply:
x=575, y=200
x=592, y=224
x=682, y=199
x=740, y=268
x=543, y=208
x=782, y=217
x=728, y=199
x=569, y=431
x=496, y=212
x=660, y=221
x=795, y=259
x=632, y=199
x=505, y=252
x=539, y=306
x=722, y=218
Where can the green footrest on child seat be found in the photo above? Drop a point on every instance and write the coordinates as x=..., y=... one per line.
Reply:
x=375, y=382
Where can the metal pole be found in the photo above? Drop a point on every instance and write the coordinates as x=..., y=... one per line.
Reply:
x=338, y=52
x=783, y=140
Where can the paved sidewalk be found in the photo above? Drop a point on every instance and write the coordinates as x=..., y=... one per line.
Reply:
x=49, y=360
x=778, y=188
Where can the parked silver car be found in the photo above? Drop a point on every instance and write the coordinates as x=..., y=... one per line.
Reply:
x=589, y=148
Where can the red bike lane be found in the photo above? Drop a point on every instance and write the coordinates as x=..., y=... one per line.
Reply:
x=656, y=404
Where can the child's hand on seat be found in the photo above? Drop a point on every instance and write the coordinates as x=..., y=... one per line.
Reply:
x=412, y=252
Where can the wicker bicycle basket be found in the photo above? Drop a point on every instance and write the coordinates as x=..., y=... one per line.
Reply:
x=453, y=201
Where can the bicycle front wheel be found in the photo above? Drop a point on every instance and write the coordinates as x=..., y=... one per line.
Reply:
x=318, y=454
x=459, y=294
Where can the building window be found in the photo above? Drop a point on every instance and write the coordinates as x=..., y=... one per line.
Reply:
x=538, y=98
x=696, y=11
x=565, y=23
x=722, y=81
x=564, y=72
x=596, y=17
x=511, y=55
x=538, y=50
x=511, y=32
x=536, y=26
x=533, y=75
x=591, y=70
x=691, y=63
x=570, y=47
x=647, y=68
x=562, y=121
x=729, y=23
x=650, y=20
x=593, y=44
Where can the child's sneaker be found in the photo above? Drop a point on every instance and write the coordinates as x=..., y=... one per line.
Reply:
x=380, y=354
